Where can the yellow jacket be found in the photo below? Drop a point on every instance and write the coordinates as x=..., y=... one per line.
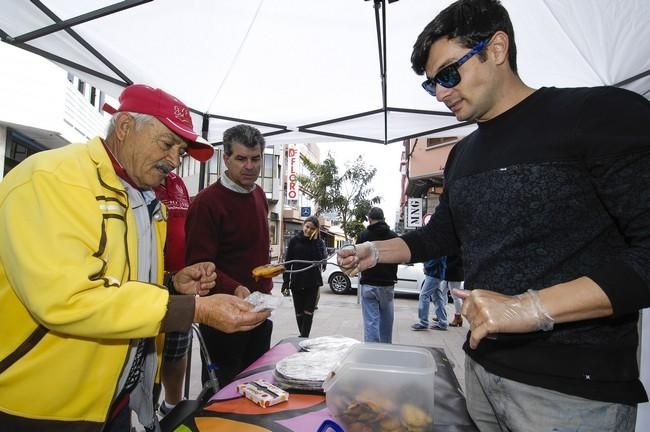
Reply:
x=68, y=304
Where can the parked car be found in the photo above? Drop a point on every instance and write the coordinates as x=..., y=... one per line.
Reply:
x=409, y=278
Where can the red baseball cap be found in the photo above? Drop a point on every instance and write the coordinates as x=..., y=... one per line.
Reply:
x=171, y=112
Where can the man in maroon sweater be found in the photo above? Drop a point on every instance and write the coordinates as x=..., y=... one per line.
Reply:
x=227, y=224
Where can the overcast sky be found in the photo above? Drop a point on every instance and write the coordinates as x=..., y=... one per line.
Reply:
x=385, y=158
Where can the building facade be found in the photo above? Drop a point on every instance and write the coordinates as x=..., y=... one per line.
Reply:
x=43, y=107
x=297, y=206
x=422, y=167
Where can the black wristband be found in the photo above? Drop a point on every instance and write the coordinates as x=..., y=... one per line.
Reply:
x=168, y=281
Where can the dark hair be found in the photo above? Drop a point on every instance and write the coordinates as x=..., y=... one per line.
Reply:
x=376, y=213
x=469, y=21
x=242, y=134
x=313, y=220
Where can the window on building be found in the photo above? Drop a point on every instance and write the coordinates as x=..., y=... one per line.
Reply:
x=93, y=93
x=273, y=232
x=18, y=148
x=102, y=98
x=70, y=77
x=188, y=167
x=214, y=166
x=267, y=174
x=437, y=142
x=268, y=165
x=81, y=86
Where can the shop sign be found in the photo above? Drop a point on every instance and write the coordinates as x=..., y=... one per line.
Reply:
x=293, y=155
x=414, y=213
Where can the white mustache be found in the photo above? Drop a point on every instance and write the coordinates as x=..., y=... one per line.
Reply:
x=164, y=167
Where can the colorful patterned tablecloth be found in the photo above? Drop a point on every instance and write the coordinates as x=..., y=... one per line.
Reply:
x=228, y=411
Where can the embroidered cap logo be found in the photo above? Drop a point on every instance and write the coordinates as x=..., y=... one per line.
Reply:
x=182, y=114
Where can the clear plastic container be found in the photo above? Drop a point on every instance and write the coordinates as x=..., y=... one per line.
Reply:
x=383, y=387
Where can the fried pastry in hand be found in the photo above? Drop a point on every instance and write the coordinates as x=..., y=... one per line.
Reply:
x=267, y=271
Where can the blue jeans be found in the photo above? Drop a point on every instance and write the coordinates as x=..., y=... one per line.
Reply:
x=378, y=313
x=458, y=303
x=497, y=404
x=430, y=285
x=440, y=301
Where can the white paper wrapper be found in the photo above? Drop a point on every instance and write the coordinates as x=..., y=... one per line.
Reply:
x=328, y=343
x=263, y=301
x=306, y=370
x=308, y=366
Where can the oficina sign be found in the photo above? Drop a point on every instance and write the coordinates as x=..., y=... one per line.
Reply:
x=293, y=156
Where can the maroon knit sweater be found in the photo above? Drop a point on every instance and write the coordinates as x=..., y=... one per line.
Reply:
x=174, y=195
x=231, y=230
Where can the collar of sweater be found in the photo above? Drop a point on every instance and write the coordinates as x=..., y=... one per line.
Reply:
x=229, y=184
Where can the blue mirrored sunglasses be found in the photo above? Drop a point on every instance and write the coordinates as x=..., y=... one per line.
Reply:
x=449, y=76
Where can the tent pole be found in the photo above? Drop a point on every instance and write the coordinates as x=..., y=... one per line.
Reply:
x=99, y=13
x=82, y=41
x=64, y=61
x=384, y=81
x=205, y=126
x=632, y=79
x=381, y=44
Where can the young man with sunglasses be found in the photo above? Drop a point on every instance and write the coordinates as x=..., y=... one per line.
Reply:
x=548, y=202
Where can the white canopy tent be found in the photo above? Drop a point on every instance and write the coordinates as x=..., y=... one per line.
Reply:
x=292, y=66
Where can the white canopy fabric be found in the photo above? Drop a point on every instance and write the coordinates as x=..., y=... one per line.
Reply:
x=291, y=63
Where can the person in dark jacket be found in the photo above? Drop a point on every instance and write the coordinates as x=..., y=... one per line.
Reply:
x=304, y=286
x=377, y=285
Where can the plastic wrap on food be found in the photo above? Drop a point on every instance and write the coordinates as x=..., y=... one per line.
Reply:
x=263, y=393
x=328, y=343
x=263, y=301
x=306, y=370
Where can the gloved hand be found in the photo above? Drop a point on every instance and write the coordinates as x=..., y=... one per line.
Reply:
x=489, y=312
x=356, y=258
x=285, y=289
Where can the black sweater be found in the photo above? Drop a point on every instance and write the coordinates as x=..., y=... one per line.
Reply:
x=381, y=274
x=454, y=270
x=556, y=188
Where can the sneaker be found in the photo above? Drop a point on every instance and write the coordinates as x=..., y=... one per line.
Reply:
x=437, y=326
x=418, y=326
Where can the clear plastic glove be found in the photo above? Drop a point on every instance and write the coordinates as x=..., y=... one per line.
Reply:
x=489, y=313
x=356, y=258
x=197, y=278
x=227, y=313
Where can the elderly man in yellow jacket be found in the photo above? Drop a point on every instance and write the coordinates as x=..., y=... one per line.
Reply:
x=81, y=274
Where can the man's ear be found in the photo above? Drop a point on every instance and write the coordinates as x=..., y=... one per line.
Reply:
x=499, y=47
x=123, y=125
